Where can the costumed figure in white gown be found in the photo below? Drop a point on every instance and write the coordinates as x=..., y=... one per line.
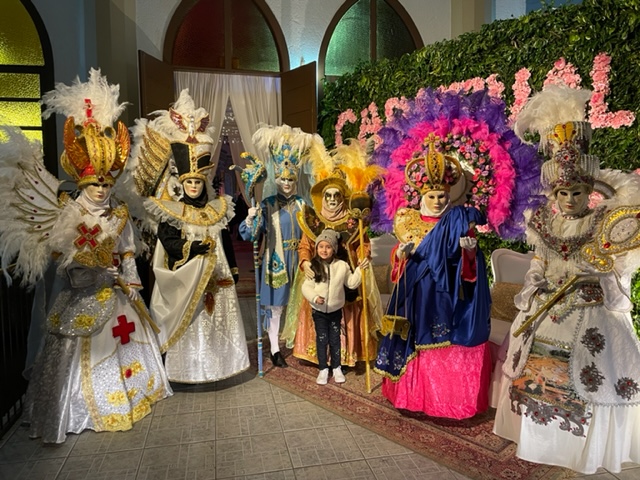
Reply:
x=570, y=383
x=99, y=366
x=194, y=300
x=275, y=221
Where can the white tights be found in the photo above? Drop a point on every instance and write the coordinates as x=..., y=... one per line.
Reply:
x=274, y=328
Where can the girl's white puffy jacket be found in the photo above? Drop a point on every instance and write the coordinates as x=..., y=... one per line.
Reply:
x=339, y=276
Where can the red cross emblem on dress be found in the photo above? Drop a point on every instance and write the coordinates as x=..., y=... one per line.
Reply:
x=123, y=329
x=87, y=235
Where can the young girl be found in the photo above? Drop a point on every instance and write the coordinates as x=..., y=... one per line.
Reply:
x=325, y=293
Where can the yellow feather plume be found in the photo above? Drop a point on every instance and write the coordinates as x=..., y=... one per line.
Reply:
x=322, y=163
x=353, y=161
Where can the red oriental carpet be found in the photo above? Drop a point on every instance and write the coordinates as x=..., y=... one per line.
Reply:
x=466, y=446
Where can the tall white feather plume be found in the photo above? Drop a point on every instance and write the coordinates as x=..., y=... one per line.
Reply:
x=96, y=96
x=555, y=104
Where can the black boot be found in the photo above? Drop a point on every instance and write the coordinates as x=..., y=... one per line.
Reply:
x=278, y=360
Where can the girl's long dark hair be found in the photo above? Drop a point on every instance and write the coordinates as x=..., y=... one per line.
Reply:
x=318, y=265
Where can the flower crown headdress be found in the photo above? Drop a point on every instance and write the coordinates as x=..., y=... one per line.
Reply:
x=94, y=149
x=433, y=171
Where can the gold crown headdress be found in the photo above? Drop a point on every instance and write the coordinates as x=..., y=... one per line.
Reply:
x=433, y=171
x=93, y=147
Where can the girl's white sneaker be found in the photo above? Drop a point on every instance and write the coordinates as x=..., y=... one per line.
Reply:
x=338, y=376
x=323, y=376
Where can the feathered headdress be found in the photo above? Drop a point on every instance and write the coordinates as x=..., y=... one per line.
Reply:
x=287, y=147
x=94, y=149
x=557, y=114
x=353, y=162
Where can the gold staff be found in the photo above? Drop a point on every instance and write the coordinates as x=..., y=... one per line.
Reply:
x=618, y=233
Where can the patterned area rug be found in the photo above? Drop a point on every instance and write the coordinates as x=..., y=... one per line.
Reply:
x=466, y=446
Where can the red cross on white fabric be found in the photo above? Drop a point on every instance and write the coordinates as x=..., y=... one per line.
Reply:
x=123, y=329
x=87, y=235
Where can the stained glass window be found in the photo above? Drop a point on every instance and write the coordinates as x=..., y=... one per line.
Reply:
x=367, y=21
x=213, y=29
x=19, y=47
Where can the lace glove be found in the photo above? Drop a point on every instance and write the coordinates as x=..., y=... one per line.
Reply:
x=468, y=243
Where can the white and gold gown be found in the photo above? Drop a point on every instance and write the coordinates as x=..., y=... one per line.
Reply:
x=100, y=367
x=195, y=303
x=569, y=391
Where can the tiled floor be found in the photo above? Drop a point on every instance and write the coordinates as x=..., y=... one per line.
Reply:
x=241, y=428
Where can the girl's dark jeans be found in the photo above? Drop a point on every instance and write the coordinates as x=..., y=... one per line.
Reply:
x=327, y=333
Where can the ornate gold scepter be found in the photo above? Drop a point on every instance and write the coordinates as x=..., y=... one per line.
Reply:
x=618, y=233
x=353, y=161
x=360, y=208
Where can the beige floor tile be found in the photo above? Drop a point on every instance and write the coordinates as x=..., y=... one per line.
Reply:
x=407, y=467
x=187, y=401
x=187, y=461
x=282, y=475
x=18, y=447
x=357, y=470
x=107, y=465
x=37, y=470
x=282, y=396
x=243, y=421
x=181, y=429
x=322, y=446
x=301, y=415
x=373, y=445
x=251, y=455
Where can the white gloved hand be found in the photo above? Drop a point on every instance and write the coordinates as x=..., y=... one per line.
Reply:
x=112, y=272
x=308, y=272
x=404, y=250
x=252, y=212
x=134, y=294
x=468, y=243
x=538, y=280
x=591, y=271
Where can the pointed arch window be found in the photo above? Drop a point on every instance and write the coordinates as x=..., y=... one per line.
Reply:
x=367, y=30
x=26, y=72
x=226, y=34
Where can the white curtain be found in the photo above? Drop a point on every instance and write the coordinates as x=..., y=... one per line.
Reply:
x=255, y=100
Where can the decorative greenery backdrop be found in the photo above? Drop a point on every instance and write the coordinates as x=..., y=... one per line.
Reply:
x=535, y=41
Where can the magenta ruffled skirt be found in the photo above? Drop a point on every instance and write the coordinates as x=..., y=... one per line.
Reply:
x=450, y=382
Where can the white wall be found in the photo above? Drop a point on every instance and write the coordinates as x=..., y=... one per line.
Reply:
x=303, y=22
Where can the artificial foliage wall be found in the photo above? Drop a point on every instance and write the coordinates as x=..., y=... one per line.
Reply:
x=536, y=42
x=595, y=45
